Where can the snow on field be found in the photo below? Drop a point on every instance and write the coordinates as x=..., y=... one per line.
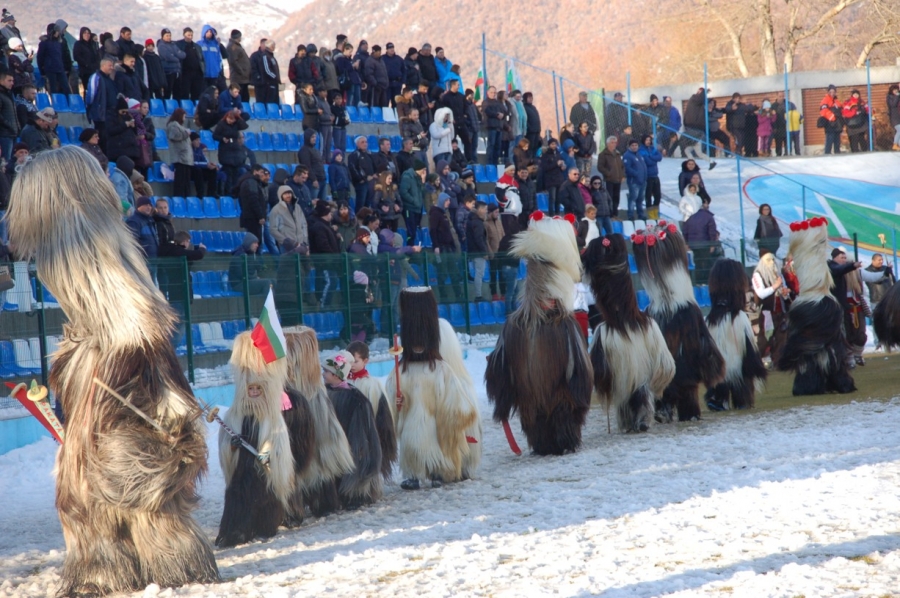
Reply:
x=799, y=502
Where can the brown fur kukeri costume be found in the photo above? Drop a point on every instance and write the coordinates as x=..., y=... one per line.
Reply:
x=125, y=491
x=540, y=367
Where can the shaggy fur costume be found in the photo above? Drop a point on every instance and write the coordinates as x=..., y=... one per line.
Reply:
x=363, y=485
x=632, y=364
x=124, y=491
x=886, y=318
x=540, y=366
x=331, y=456
x=731, y=329
x=439, y=409
x=299, y=422
x=384, y=420
x=815, y=348
x=661, y=257
x=257, y=495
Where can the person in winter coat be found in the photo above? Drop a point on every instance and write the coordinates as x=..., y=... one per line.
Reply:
x=86, y=53
x=238, y=65
x=495, y=114
x=346, y=225
x=585, y=148
x=268, y=73
x=768, y=233
x=388, y=204
x=751, y=135
x=476, y=243
x=715, y=130
x=472, y=123
x=127, y=82
x=348, y=75
x=412, y=188
x=856, y=114
x=310, y=157
x=533, y=128
x=442, y=133
x=122, y=130
x=893, y=112
x=778, y=111
x=583, y=112
x=650, y=153
x=171, y=56
x=307, y=103
x=287, y=221
x=376, y=78
x=181, y=153
x=143, y=227
x=51, y=61
x=329, y=76
x=636, y=177
x=702, y=237
x=253, y=200
x=695, y=118
x=569, y=196
x=396, y=71
x=362, y=173
x=690, y=202
x=212, y=55
x=602, y=203
x=832, y=120
x=248, y=250
x=193, y=67
x=587, y=228
x=326, y=122
x=207, y=110
x=568, y=154
x=20, y=65
x=403, y=102
x=339, y=177
x=90, y=142
x=412, y=75
x=341, y=122
x=877, y=290
x=689, y=168
x=232, y=153
x=411, y=128
x=553, y=173
x=427, y=66
x=446, y=249
x=322, y=237
x=156, y=75
x=231, y=100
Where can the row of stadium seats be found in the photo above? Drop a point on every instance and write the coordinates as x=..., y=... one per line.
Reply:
x=201, y=208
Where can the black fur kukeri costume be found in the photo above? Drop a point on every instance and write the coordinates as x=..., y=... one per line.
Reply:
x=302, y=433
x=886, y=318
x=815, y=349
x=540, y=367
x=259, y=491
x=731, y=329
x=124, y=490
x=661, y=257
x=632, y=364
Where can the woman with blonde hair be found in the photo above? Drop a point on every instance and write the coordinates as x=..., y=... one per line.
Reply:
x=387, y=201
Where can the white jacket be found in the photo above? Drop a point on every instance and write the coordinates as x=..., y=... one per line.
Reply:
x=442, y=137
x=689, y=205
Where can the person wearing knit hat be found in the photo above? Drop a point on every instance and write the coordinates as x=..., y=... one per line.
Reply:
x=236, y=35
x=20, y=147
x=364, y=485
x=419, y=165
x=322, y=209
x=142, y=201
x=149, y=43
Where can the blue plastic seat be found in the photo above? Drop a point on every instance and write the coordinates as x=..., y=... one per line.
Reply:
x=377, y=114
x=308, y=321
x=178, y=207
x=227, y=208
x=63, y=135
x=206, y=139
x=490, y=173
x=410, y=279
x=373, y=143
x=250, y=141
x=617, y=226
x=259, y=111
x=229, y=330
x=206, y=237
x=161, y=141
x=474, y=316
x=292, y=142
x=499, y=308
x=691, y=264
x=194, y=207
x=287, y=112
x=43, y=101
x=353, y=113
x=396, y=143
x=75, y=133
x=197, y=341
x=60, y=102
x=444, y=312
x=196, y=237
x=211, y=208
x=8, y=366
x=265, y=142
x=351, y=144
x=632, y=264
x=309, y=284
x=171, y=106
x=157, y=108
x=486, y=313
x=643, y=300
x=426, y=242
x=543, y=202
x=457, y=316
x=76, y=103
x=278, y=142
x=364, y=116
x=188, y=107
x=155, y=174
x=478, y=170
x=270, y=168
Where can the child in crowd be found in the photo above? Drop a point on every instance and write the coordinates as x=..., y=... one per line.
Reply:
x=339, y=177
x=766, y=119
x=341, y=122
x=690, y=203
x=385, y=411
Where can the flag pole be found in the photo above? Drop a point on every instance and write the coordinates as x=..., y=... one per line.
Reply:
x=484, y=74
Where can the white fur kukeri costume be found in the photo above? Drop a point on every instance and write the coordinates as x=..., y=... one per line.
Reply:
x=815, y=348
x=124, y=490
x=540, y=367
x=730, y=327
x=439, y=408
x=258, y=492
x=632, y=364
x=661, y=257
x=331, y=456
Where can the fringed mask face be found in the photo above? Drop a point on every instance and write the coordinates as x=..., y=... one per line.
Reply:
x=255, y=392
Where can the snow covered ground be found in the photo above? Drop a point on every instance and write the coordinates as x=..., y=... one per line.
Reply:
x=799, y=502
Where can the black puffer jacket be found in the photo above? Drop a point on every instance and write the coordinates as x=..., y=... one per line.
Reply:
x=9, y=123
x=231, y=150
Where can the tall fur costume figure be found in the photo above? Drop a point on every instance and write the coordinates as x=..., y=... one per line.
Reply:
x=540, y=367
x=363, y=485
x=385, y=414
x=661, y=257
x=730, y=327
x=124, y=491
x=298, y=418
x=815, y=349
x=632, y=364
x=886, y=318
x=331, y=456
x=438, y=408
x=258, y=492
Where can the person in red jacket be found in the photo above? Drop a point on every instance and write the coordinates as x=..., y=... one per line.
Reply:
x=831, y=120
x=856, y=114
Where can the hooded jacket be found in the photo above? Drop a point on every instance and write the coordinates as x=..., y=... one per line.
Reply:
x=212, y=54
x=231, y=150
x=651, y=157
x=50, y=53
x=310, y=157
x=442, y=136
x=86, y=54
x=684, y=178
x=287, y=220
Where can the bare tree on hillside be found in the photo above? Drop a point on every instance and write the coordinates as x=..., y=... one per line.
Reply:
x=880, y=26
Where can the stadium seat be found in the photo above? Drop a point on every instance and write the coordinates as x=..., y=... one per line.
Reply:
x=211, y=208
x=292, y=142
x=365, y=115
x=196, y=237
x=206, y=139
x=161, y=141
x=63, y=135
x=373, y=143
x=285, y=167
x=259, y=111
x=171, y=106
x=194, y=207
x=617, y=226
x=478, y=170
x=287, y=112
x=627, y=228
x=188, y=107
x=691, y=264
x=486, y=313
x=444, y=312
x=43, y=101
x=35, y=344
x=396, y=143
x=8, y=366
x=632, y=264
x=278, y=142
x=499, y=308
x=270, y=167
x=474, y=316
x=353, y=113
x=206, y=237
x=351, y=144
x=75, y=133
x=155, y=174
x=76, y=103
x=250, y=141
x=543, y=202
x=265, y=142
x=178, y=207
x=457, y=316
x=377, y=114
x=157, y=108
x=197, y=340
x=390, y=116
x=490, y=173
x=60, y=102
x=273, y=112
x=24, y=360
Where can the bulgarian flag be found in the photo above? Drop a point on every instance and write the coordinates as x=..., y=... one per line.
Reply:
x=479, y=83
x=510, y=78
x=267, y=334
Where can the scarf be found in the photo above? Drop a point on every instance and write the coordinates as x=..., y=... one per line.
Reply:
x=363, y=373
x=768, y=225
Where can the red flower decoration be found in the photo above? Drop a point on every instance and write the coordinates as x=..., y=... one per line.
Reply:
x=795, y=226
x=804, y=225
x=637, y=238
x=662, y=235
x=570, y=218
x=661, y=224
x=672, y=228
x=537, y=216
x=605, y=242
x=651, y=240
